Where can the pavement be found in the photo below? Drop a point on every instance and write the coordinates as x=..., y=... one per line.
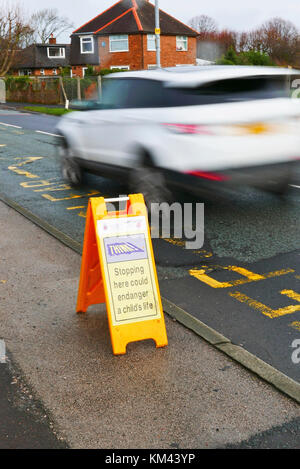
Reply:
x=62, y=384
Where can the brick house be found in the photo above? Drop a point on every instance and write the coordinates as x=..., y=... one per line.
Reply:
x=123, y=36
x=41, y=59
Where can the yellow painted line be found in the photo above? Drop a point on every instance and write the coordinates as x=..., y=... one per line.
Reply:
x=181, y=243
x=279, y=273
x=250, y=277
x=252, y=303
x=247, y=274
x=266, y=310
x=59, y=187
x=25, y=160
x=40, y=183
x=77, y=208
x=295, y=325
x=71, y=197
x=82, y=213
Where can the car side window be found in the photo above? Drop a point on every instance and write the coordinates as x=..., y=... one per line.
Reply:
x=115, y=93
x=146, y=94
x=132, y=93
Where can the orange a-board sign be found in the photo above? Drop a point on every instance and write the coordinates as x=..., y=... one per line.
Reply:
x=118, y=269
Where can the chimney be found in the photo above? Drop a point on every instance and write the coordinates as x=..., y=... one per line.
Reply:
x=52, y=40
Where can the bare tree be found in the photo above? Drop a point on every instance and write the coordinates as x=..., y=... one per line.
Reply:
x=13, y=29
x=280, y=39
x=277, y=37
x=48, y=22
x=204, y=24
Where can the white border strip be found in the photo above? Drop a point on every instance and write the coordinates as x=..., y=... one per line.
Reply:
x=47, y=133
x=11, y=125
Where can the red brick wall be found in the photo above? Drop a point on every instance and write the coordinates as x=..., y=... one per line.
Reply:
x=77, y=71
x=170, y=57
x=133, y=57
x=138, y=57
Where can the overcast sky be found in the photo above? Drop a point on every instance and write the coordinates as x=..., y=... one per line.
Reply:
x=232, y=14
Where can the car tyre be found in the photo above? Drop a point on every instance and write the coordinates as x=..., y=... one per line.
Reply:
x=70, y=169
x=280, y=188
x=71, y=172
x=150, y=182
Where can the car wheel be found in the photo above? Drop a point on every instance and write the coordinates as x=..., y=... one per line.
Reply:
x=150, y=182
x=71, y=171
x=279, y=188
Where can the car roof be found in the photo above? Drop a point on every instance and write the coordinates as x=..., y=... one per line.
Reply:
x=191, y=75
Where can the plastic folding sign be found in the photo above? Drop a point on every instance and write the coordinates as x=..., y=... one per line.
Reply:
x=118, y=269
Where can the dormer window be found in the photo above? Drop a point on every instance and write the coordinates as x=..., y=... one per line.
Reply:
x=86, y=45
x=56, y=52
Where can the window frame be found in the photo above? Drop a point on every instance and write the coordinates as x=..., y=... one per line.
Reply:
x=180, y=39
x=112, y=39
x=63, y=49
x=120, y=67
x=25, y=72
x=91, y=41
x=148, y=39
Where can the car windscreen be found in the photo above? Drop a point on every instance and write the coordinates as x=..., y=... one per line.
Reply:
x=231, y=90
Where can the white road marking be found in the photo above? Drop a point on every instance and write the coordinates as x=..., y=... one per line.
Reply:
x=10, y=125
x=47, y=133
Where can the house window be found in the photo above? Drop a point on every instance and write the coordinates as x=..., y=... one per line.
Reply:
x=56, y=52
x=151, y=42
x=181, y=43
x=86, y=45
x=118, y=43
x=42, y=71
x=54, y=71
x=25, y=72
x=120, y=67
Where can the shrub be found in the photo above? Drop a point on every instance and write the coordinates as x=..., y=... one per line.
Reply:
x=251, y=57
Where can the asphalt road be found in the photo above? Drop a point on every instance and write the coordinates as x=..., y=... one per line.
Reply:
x=28, y=121
x=244, y=281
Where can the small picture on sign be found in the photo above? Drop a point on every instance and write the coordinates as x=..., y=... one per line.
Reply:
x=125, y=248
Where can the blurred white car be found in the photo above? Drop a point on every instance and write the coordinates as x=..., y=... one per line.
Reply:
x=187, y=126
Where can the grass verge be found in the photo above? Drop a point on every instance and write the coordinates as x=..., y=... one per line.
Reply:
x=55, y=111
